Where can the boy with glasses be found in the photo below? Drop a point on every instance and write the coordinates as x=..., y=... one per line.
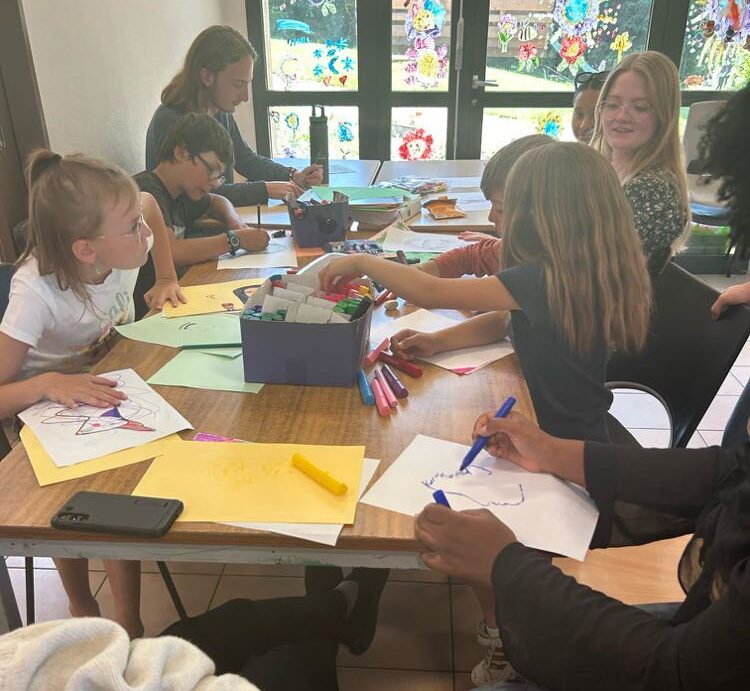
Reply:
x=191, y=164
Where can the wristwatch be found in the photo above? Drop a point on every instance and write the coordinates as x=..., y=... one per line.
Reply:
x=292, y=171
x=234, y=242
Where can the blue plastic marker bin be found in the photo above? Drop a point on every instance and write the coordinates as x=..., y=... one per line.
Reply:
x=275, y=352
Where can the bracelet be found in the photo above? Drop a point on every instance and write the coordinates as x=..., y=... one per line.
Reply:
x=292, y=171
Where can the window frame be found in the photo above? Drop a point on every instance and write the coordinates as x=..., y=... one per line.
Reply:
x=468, y=58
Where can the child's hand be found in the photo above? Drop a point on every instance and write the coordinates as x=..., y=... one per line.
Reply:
x=74, y=389
x=252, y=239
x=516, y=439
x=339, y=272
x=736, y=295
x=462, y=544
x=410, y=345
x=165, y=289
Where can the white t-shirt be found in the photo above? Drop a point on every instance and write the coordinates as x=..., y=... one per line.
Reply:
x=64, y=334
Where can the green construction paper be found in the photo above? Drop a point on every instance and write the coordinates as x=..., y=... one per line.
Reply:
x=179, y=332
x=355, y=193
x=221, y=352
x=201, y=370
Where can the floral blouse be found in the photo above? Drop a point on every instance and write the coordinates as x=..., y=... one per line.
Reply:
x=659, y=215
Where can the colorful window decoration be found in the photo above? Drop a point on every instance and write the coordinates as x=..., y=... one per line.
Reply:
x=418, y=134
x=549, y=123
x=542, y=45
x=500, y=126
x=290, y=131
x=311, y=44
x=420, y=48
x=716, y=53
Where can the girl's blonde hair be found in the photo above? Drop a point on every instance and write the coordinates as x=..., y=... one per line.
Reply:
x=663, y=149
x=68, y=200
x=565, y=210
x=213, y=48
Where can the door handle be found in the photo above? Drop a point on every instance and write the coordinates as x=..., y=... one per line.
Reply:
x=476, y=82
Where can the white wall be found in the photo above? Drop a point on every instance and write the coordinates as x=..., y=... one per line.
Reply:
x=101, y=66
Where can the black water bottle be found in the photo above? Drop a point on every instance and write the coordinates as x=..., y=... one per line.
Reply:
x=319, y=140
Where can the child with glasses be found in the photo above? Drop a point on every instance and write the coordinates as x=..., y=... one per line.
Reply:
x=192, y=161
x=73, y=284
x=637, y=131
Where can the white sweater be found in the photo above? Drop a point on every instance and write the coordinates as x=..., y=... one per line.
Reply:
x=96, y=655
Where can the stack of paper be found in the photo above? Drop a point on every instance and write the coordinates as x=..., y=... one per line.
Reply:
x=462, y=361
x=543, y=511
x=74, y=435
x=399, y=237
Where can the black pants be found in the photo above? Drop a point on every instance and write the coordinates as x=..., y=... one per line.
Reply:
x=278, y=644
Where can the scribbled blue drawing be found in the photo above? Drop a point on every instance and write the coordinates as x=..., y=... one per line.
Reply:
x=442, y=481
x=342, y=43
x=317, y=53
x=318, y=71
x=332, y=65
x=348, y=64
x=292, y=25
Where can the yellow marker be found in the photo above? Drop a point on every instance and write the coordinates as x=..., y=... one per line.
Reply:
x=320, y=476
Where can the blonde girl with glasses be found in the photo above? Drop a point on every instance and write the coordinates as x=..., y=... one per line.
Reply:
x=72, y=285
x=636, y=129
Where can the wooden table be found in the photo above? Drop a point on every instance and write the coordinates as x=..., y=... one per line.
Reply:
x=440, y=404
x=346, y=173
x=474, y=220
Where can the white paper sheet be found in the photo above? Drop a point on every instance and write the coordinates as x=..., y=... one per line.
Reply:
x=472, y=201
x=543, y=511
x=398, y=238
x=74, y=435
x=462, y=183
x=462, y=361
x=279, y=253
x=324, y=533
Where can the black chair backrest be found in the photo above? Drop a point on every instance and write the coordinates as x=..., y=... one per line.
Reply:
x=20, y=232
x=688, y=354
x=6, y=273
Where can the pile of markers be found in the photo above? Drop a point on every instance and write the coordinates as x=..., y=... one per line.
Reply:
x=293, y=302
x=385, y=389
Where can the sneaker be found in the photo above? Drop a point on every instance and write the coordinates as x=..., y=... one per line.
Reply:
x=495, y=667
x=487, y=637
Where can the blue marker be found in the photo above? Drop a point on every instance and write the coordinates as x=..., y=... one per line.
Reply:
x=478, y=445
x=368, y=397
x=439, y=496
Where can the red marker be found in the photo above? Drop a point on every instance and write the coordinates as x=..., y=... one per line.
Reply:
x=408, y=367
x=401, y=257
x=373, y=354
x=386, y=389
x=380, y=299
x=382, y=404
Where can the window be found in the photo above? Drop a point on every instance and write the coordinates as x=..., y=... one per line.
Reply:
x=716, y=49
x=461, y=78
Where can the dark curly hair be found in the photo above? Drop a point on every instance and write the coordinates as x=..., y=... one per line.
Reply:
x=724, y=152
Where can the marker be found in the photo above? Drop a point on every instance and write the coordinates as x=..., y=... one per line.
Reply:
x=386, y=389
x=439, y=496
x=401, y=257
x=478, y=445
x=365, y=390
x=373, y=354
x=362, y=308
x=383, y=408
x=383, y=296
x=194, y=346
x=402, y=365
x=320, y=476
x=399, y=390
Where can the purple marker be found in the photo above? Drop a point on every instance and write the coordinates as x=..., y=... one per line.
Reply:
x=439, y=496
x=397, y=386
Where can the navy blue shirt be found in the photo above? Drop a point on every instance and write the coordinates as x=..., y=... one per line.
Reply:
x=567, y=390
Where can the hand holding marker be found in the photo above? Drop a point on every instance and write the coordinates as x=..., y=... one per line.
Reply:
x=478, y=445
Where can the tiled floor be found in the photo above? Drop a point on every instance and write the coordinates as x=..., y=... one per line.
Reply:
x=425, y=639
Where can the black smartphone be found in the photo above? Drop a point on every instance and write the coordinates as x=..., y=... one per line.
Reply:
x=124, y=514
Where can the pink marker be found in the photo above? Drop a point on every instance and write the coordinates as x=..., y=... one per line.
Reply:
x=373, y=354
x=382, y=404
x=380, y=377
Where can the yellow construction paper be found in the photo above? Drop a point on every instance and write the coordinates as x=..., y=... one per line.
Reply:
x=47, y=473
x=211, y=297
x=253, y=482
